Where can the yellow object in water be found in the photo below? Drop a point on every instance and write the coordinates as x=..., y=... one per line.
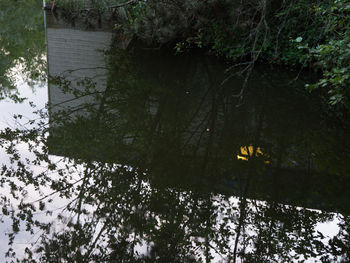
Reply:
x=246, y=152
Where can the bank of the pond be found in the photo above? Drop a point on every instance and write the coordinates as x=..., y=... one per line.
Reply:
x=141, y=155
x=295, y=34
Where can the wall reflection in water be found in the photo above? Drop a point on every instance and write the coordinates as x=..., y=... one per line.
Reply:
x=161, y=162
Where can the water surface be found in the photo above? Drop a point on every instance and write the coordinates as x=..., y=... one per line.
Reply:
x=141, y=155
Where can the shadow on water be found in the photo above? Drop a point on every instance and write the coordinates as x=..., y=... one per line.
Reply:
x=172, y=116
x=157, y=161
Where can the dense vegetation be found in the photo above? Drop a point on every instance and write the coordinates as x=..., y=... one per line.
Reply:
x=303, y=34
x=101, y=181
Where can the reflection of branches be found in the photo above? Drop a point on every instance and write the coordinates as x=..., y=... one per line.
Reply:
x=78, y=97
x=97, y=239
x=70, y=71
x=117, y=208
x=57, y=191
x=250, y=177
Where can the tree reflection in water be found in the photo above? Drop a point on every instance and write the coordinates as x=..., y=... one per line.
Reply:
x=22, y=46
x=150, y=173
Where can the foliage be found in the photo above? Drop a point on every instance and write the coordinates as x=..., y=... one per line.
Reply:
x=22, y=44
x=150, y=161
x=324, y=44
x=298, y=34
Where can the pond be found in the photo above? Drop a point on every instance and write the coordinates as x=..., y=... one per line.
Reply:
x=112, y=151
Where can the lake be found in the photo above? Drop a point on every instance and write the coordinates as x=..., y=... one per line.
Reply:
x=115, y=151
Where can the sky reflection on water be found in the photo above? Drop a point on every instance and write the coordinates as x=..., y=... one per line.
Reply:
x=142, y=162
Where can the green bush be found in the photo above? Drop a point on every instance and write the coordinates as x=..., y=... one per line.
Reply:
x=295, y=33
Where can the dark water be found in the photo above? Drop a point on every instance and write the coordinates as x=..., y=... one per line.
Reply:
x=141, y=155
